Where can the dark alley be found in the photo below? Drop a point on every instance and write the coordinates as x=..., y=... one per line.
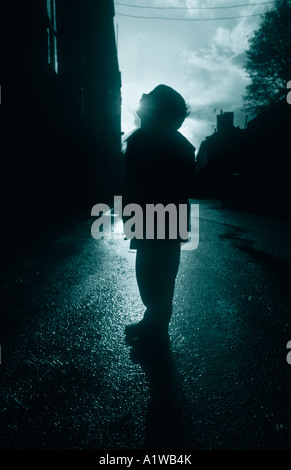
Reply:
x=70, y=381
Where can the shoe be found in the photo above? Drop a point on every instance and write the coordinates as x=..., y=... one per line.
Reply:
x=137, y=330
x=146, y=331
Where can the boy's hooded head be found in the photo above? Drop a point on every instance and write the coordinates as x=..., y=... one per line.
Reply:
x=163, y=107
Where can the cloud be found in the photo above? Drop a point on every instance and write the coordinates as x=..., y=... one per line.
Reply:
x=216, y=78
x=201, y=9
x=170, y=3
x=203, y=60
x=195, y=129
x=234, y=40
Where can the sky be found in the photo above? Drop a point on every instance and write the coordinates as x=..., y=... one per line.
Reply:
x=200, y=58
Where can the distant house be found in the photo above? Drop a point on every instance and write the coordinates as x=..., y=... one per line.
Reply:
x=265, y=160
x=215, y=147
x=60, y=105
x=216, y=157
x=249, y=168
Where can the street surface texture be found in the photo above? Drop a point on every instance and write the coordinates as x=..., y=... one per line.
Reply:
x=69, y=380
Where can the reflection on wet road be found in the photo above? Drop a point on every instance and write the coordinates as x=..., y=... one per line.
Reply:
x=69, y=380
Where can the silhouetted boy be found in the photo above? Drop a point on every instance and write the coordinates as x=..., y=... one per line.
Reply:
x=159, y=168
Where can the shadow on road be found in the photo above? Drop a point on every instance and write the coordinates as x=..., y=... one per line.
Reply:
x=169, y=421
x=277, y=265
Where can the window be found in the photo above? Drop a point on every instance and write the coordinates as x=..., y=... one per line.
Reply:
x=52, y=35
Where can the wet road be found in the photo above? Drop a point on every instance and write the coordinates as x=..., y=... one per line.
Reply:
x=70, y=381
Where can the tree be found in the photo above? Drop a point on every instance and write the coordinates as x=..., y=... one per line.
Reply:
x=268, y=62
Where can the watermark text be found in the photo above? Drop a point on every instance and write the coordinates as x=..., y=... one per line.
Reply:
x=154, y=221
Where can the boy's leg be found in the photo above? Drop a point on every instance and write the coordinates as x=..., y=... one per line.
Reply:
x=156, y=271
